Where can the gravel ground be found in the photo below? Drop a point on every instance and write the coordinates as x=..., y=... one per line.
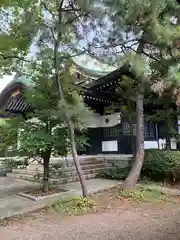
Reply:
x=134, y=223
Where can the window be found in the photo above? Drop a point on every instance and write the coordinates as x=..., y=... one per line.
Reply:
x=146, y=131
x=149, y=130
x=110, y=132
x=126, y=129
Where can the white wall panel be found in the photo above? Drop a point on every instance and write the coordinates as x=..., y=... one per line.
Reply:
x=97, y=120
x=109, y=146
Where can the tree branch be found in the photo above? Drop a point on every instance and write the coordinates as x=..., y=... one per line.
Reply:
x=113, y=45
x=150, y=56
x=13, y=57
x=47, y=9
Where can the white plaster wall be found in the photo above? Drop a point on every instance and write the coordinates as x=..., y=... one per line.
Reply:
x=93, y=121
x=150, y=144
x=113, y=119
x=109, y=146
x=173, y=143
x=112, y=146
x=97, y=120
x=162, y=144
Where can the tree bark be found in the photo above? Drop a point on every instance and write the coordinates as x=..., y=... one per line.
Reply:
x=76, y=160
x=135, y=171
x=46, y=157
x=168, y=125
x=168, y=143
x=134, y=174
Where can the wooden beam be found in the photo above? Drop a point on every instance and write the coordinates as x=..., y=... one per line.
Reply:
x=115, y=75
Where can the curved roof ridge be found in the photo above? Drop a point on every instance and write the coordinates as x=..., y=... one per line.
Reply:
x=92, y=65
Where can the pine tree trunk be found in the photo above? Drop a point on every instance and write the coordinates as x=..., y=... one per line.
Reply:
x=76, y=160
x=46, y=157
x=61, y=96
x=168, y=143
x=134, y=174
x=168, y=124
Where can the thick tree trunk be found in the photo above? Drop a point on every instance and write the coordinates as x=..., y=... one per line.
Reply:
x=46, y=157
x=168, y=126
x=76, y=160
x=134, y=174
x=168, y=143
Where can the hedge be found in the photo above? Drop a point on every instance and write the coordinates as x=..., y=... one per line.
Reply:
x=115, y=173
x=159, y=165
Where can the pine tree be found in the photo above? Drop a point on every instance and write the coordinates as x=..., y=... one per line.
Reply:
x=139, y=35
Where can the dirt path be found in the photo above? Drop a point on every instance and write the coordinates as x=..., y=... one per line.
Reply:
x=142, y=223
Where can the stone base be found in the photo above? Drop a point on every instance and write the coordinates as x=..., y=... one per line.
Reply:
x=34, y=198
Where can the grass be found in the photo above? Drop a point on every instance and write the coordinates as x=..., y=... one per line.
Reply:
x=145, y=194
x=75, y=206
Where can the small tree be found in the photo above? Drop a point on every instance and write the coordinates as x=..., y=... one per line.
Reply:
x=53, y=28
x=45, y=132
x=8, y=140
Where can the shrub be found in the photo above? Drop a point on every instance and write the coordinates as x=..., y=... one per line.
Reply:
x=160, y=165
x=56, y=173
x=115, y=173
x=14, y=163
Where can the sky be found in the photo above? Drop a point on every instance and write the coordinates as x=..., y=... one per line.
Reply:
x=5, y=80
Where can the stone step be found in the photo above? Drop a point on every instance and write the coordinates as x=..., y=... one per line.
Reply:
x=84, y=163
x=92, y=166
x=27, y=171
x=35, y=166
x=71, y=179
x=21, y=176
x=34, y=172
x=69, y=172
x=85, y=172
x=58, y=181
x=89, y=166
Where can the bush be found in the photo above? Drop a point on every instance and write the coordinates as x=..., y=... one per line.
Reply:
x=115, y=173
x=14, y=163
x=160, y=165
